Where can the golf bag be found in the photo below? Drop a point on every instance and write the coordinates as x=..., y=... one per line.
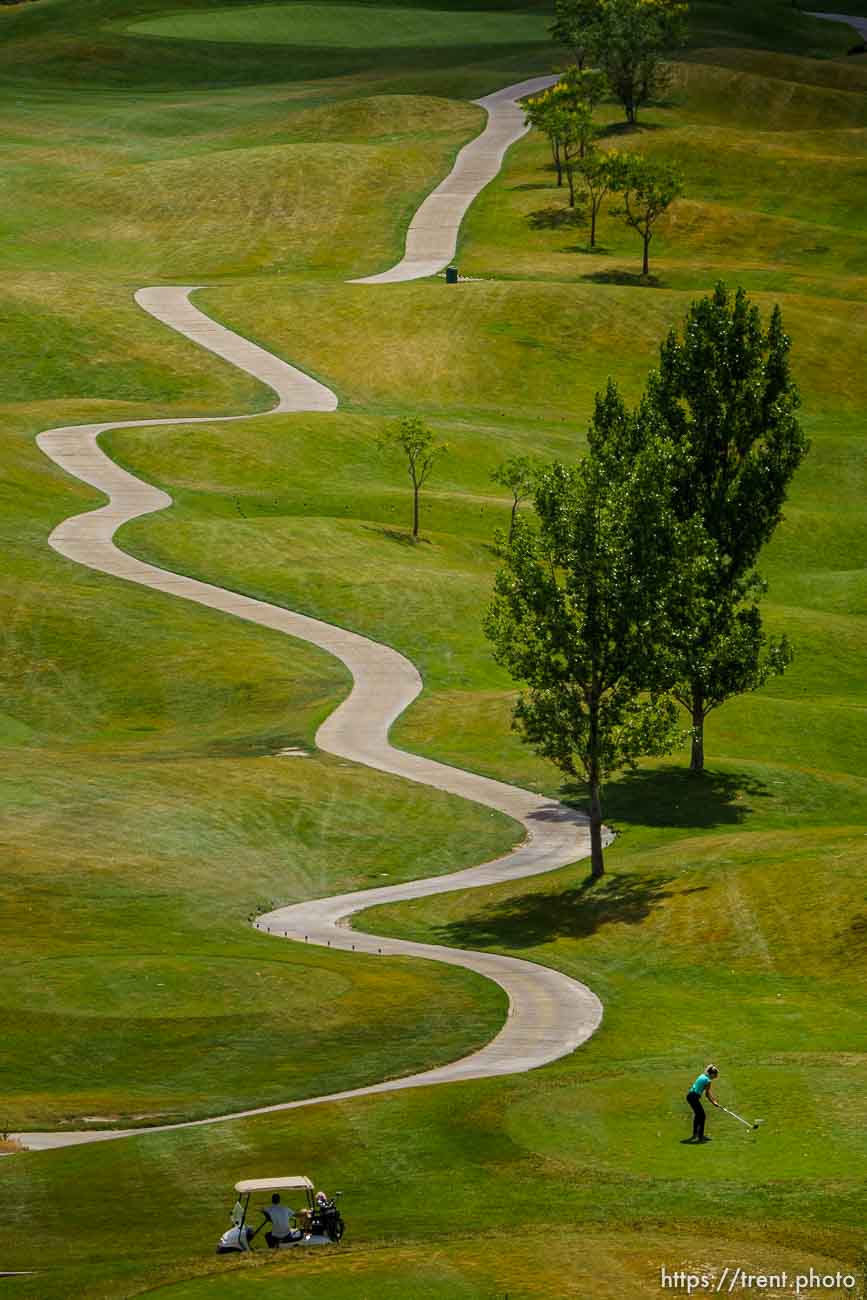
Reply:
x=325, y=1220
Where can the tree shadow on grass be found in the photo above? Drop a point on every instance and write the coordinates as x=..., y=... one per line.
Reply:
x=855, y=937
x=397, y=535
x=533, y=919
x=617, y=130
x=634, y=278
x=556, y=218
x=530, y=185
x=676, y=797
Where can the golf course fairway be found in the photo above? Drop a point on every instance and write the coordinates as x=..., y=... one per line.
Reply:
x=151, y=808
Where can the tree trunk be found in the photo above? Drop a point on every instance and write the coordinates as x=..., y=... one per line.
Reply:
x=597, y=864
x=645, y=268
x=696, y=762
x=555, y=149
x=592, y=225
x=415, y=512
x=512, y=520
x=571, y=180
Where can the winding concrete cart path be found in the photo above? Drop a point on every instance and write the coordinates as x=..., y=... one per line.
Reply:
x=432, y=237
x=853, y=20
x=549, y=1014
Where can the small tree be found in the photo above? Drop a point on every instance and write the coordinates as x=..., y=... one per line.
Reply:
x=725, y=393
x=417, y=442
x=628, y=39
x=596, y=171
x=564, y=113
x=648, y=189
x=580, y=617
x=577, y=132
x=541, y=112
x=518, y=474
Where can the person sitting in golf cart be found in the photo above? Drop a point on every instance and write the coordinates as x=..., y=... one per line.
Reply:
x=279, y=1216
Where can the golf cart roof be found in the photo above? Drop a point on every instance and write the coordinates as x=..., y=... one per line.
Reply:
x=297, y=1184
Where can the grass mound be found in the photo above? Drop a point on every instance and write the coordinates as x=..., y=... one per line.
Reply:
x=349, y=26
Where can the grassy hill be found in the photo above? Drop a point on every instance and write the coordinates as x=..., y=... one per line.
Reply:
x=147, y=815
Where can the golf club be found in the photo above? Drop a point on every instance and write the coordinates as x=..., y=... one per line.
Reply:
x=741, y=1119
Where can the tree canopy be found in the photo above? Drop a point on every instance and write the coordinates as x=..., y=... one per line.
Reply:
x=573, y=26
x=580, y=616
x=648, y=189
x=635, y=585
x=564, y=113
x=626, y=39
x=724, y=396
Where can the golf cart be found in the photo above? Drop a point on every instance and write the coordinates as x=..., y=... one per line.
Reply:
x=317, y=1219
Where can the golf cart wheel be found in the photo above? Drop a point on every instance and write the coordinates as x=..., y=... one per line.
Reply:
x=338, y=1230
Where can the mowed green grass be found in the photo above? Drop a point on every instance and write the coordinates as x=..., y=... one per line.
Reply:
x=354, y=26
x=57, y=45
x=179, y=195
x=122, y=45
x=445, y=1193
x=149, y=815
x=146, y=814
x=756, y=145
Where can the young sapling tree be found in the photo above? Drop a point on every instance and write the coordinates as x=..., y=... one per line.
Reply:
x=518, y=475
x=419, y=446
x=596, y=172
x=648, y=188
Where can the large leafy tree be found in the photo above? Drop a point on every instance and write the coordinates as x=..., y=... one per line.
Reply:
x=573, y=26
x=580, y=615
x=629, y=40
x=725, y=395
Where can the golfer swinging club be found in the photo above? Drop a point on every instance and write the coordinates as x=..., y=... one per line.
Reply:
x=701, y=1088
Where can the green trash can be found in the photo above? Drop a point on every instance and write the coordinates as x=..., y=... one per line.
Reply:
x=451, y=275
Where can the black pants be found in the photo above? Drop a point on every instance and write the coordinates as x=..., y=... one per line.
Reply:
x=274, y=1242
x=698, y=1114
